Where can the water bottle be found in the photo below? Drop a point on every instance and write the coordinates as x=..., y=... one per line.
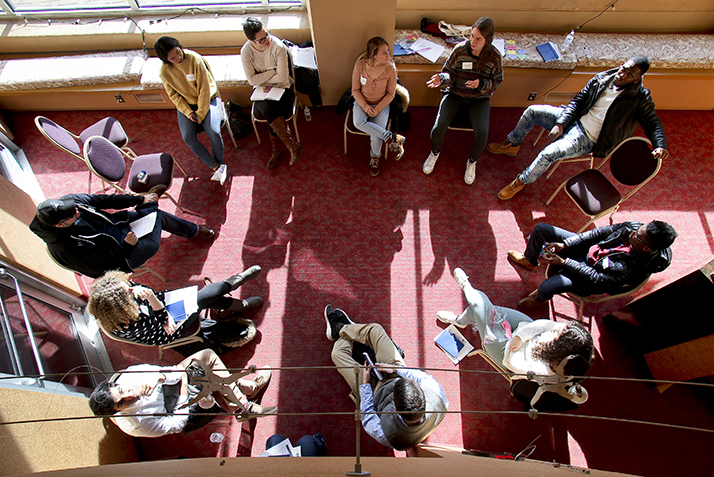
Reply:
x=216, y=437
x=308, y=114
x=568, y=40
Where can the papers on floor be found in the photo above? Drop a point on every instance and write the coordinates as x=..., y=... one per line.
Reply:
x=428, y=49
x=549, y=51
x=304, y=57
x=453, y=343
x=261, y=93
x=144, y=225
x=282, y=449
x=181, y=303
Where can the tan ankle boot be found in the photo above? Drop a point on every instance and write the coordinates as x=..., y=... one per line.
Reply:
x=511, y=189
x=280, y=126
x=274, y=153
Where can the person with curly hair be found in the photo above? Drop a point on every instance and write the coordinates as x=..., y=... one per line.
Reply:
x=137, y=313
x=374, y=85
x=519, y=343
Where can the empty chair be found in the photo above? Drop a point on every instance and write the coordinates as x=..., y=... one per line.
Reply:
x=71, y=143
x=108, y=162
x=631, y=164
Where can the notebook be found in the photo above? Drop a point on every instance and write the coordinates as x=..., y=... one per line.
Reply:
x=453, y=343
x=549, y=51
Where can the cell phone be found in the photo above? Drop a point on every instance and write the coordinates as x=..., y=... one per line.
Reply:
x=376, y=372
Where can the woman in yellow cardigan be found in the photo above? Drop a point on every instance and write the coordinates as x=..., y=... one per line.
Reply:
x=190, y=85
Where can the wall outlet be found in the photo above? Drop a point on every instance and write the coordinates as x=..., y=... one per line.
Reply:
x=119, y=98
x=532, y=96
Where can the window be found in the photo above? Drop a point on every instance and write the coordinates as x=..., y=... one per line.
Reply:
x=72, y=7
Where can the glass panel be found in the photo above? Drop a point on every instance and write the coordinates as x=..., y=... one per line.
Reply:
x=20, y=6
x=55, y=335
x=188, y=4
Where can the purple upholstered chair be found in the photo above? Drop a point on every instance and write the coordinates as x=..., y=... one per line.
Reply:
x=108, y=127
x=108, y=162
x=631, y=164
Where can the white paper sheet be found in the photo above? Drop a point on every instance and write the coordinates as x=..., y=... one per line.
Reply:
x=282, y=449
x=144, y=225
x=428, y=49
x=262, y=93
x=500, y=45
x=188, y=295
x=304, y=57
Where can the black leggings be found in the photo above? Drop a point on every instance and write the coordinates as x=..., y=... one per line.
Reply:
x=478, y=111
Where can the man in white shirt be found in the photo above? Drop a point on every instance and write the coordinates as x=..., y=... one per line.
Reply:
x=606, y=112
x=152, y=401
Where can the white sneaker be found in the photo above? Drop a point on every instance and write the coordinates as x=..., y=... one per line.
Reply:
x=461, y=278
x=430, y=163
x=448, y=317
x=470, y=175
x=221, y=174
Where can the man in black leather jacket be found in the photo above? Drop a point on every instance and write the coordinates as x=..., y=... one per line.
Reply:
x=606, y=112
x=81, y=236
x=610, y=259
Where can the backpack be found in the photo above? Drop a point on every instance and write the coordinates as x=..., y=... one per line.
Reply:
x=238, y=120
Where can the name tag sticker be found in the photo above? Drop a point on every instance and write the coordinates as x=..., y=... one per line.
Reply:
x=468, y=65
x=190, y=77
x=606, y=263
x=363, y=80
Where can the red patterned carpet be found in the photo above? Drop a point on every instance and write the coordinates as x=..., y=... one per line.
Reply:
x=325, y=231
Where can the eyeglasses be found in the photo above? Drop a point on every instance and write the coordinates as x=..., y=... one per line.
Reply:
x=636, y=236
x=263, y=40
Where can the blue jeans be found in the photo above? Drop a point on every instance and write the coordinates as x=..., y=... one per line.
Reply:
x=212, y=125
x=573, y=143
x=478, y=111
x=485, y=315
x=375, y=127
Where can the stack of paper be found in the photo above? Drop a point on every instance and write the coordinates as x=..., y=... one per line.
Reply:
x=181, y=303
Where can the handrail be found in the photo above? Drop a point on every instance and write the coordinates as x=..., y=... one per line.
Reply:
x=28, y=326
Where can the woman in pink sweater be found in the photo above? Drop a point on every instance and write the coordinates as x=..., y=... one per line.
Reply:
x=374, y=83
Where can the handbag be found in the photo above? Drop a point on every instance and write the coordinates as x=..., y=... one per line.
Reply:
x=238, y=120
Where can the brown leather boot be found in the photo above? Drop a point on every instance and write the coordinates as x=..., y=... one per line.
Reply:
x=274, y=153
x=280, y=126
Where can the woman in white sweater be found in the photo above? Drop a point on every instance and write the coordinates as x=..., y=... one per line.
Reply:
x=265, y=61
x=519, y=343
x=191, y=87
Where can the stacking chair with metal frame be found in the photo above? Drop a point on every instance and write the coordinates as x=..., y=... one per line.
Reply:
x=357, y=132
x=108, y=128
x=499, y=369
x=108, y=162
x=259, y=119
x=631, y=164
x=580, y=301
x=189, y=335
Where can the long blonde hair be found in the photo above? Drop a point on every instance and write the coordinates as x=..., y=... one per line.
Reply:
x=110, y=303
x=373, y=45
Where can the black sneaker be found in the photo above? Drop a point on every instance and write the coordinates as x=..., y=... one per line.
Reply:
x=335, y=319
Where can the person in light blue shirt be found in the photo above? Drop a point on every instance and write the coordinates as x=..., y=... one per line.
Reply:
x=406, y=405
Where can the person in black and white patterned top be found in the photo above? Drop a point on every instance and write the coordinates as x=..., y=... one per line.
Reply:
x=137, y=313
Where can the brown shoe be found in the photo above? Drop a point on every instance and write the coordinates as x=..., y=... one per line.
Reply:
x=530, y=302
x=158, y=190
x=504, y=147
x=373, y=166
x=517, y=258
x=397, y=145
x=511, y=189
x=274, y=152
x=204, y=233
